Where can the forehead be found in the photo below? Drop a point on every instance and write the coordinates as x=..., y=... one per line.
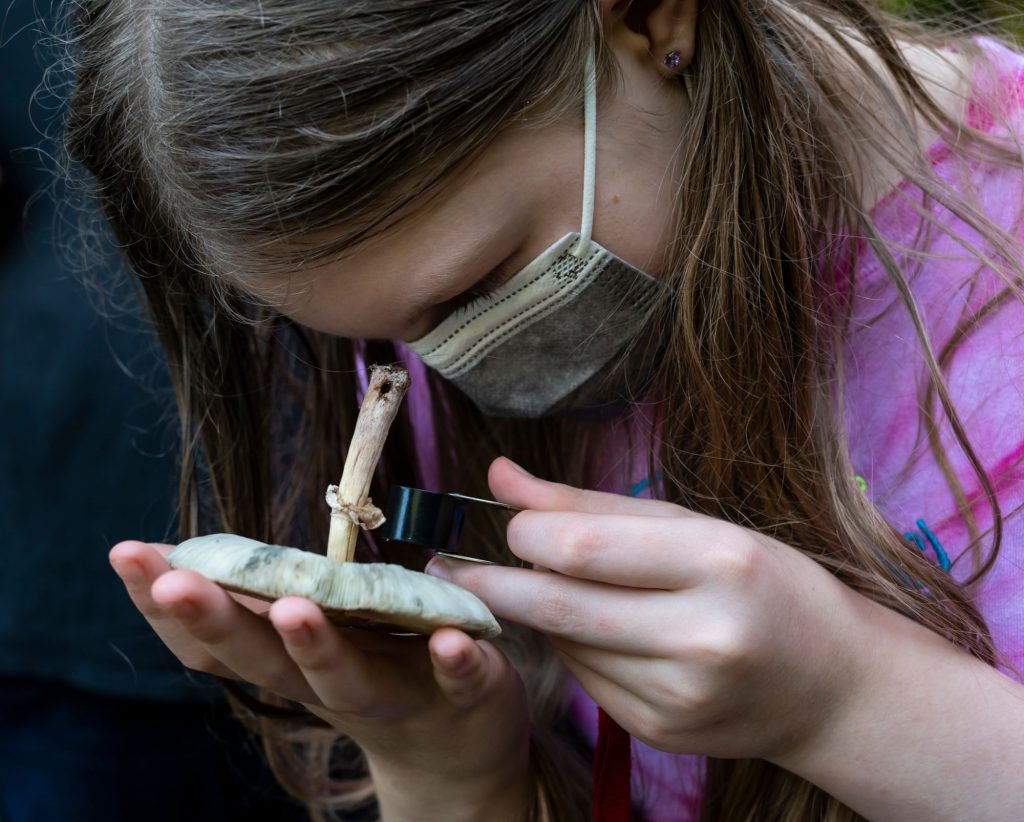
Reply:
x=390, y=285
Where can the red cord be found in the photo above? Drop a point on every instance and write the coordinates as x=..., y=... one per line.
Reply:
x=611, y=771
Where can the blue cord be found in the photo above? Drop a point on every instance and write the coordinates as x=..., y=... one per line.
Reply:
x=644, y=484
x=933, y=540
x=916, y=540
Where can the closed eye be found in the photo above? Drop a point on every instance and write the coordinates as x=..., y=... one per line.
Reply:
x=479, y=291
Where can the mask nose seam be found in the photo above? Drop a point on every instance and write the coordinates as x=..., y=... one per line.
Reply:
x=511, y=325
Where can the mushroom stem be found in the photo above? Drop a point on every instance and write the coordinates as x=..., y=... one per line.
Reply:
x=351, y=506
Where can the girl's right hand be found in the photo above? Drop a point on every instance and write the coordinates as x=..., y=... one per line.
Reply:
x=443, y=722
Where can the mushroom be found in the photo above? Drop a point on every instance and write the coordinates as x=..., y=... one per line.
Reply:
x=375, y=595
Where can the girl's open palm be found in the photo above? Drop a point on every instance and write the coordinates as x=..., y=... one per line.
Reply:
x=411, y=703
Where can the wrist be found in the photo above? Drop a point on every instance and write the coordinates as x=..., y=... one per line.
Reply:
x=847, y=684
x=895, y=748
x=501, y=791
x=824, y=661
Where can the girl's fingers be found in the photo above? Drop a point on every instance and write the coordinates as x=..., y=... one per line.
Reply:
x=605, y=616
x=139, y=565
x=618, y=702
x=464, y=669
x=341, y=676
x=619, y=549
x=257, y=606
x=644, y=678
x=233, y=635
x=651, y=698
x=513, y=486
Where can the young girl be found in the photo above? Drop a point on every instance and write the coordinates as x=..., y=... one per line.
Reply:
x=779, y=343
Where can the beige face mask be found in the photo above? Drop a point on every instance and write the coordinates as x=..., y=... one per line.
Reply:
x=554, y=339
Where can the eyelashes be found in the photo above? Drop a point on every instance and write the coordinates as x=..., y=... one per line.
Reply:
x=479, y=291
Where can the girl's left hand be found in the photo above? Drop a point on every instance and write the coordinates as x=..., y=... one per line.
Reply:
x=694, y=634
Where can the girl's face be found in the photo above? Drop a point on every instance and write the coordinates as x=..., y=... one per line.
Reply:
x=522, y=194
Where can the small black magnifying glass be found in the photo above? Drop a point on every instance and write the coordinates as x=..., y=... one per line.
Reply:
x=435, y=521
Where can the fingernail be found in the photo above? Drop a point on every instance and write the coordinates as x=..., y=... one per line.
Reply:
x=437, y=567
x=520, y=468
x=296, y=634
x=130, y=573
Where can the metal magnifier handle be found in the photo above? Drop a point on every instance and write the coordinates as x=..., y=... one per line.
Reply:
x=431, y=519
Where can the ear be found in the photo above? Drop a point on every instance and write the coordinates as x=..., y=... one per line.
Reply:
x=661, y=32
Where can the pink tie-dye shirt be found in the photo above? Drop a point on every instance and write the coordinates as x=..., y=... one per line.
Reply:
x=894, y=462
x=891, y=453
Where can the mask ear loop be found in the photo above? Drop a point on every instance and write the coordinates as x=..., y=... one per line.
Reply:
x=590, y=146
x=589, y=154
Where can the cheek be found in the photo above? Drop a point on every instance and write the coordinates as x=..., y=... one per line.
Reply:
x=330, y=307
x=637, y=224
x=634, y=212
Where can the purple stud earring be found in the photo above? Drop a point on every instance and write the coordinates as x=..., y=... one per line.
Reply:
x=672, y=60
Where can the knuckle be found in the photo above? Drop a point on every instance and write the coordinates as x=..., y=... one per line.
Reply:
x=315, y=660
x=578, y=541
x=739, y=560
x=462, y=692
x=688, y=704
x=655, y=727
x=518, y=533
x=681, y=697
x=153, y=613
x=700, y=707
x=726, y=647
x=209, y=632
x=659, y=730
x=667, y=695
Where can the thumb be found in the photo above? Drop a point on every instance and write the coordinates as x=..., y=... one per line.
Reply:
x=514, y=486
x=465, y=670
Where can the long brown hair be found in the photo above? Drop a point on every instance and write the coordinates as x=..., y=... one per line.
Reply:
x=220, y=134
